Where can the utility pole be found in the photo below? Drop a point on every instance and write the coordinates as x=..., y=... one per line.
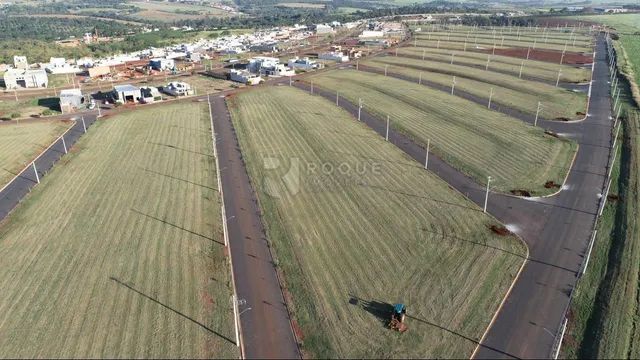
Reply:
x=337, y=98
x=84, y=125
x=453, y=84
x=561, y=58
x=558, y=79
x=423, y=51
x=535, y=122
x=35, y=171
x=521, y=66
x=386, y=136
x=359, y=108
x=528, y=52
x=486, y=196
x=488, y=61
x=64, y=144
x=426, y=160
x=490, y=96
x=452, y=55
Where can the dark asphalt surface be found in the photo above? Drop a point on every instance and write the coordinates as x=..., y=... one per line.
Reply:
x=17, y=189
x=265, y=322
x=556, y=229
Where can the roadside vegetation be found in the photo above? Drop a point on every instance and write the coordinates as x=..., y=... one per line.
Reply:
x=357, y=226
x=476, y=141
x=20, y=143
x=118, y=253
x=606, y=308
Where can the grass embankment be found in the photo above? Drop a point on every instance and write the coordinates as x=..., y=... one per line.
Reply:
x=605, y=311
x=536, y=69
x=118, y=252
x=508, y=90
x=21, y=143
x=477, y=141
x=358, y=226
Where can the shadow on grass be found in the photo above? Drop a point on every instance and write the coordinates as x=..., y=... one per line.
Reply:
x=51, y=103
x=170, y=308
x=382, y=311
x=176, y=226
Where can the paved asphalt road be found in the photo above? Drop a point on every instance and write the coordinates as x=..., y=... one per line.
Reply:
x=266, y=327
x=556, y=229
x=11, y=195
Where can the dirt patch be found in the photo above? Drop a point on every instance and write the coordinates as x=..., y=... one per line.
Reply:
x=524, y=193
x=562, y=119
x=500, y=230
x=545, y=55
x=613, y=197
x=551, y=185
x=551, y=133
x=580, y=113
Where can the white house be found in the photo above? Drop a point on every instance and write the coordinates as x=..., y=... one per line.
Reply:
x=334, y=56
x=162, y=64
x=20, y=62
x=177, y=88
x=20, y=78
x=70, y=100
x=303, y=64
x=127, y=93
x=245, y=77
x=150, y=94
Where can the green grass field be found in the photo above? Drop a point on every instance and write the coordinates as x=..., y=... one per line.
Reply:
x=357, y=226
x=628, y=29
x=508, y=90
x=118, y=252
x=473, y=139
x=457, y=41
x=21, y=143
x=537, y=69
x=28, y=106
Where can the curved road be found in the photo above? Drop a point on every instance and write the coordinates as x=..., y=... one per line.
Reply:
x=557, y=229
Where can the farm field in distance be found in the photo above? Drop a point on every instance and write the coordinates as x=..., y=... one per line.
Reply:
x=172, y=11
x=510, y=91
x=377, y=230
x=477, y=141
x=21, y=143
x=118, y=253
x=532, y=68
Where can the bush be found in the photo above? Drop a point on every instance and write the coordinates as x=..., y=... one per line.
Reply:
x=15, y=115
x=47, y=112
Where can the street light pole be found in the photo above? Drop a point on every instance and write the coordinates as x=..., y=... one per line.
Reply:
x=558, y=79
x=453, y=84
x=535, y=122
x=426, y=160
x=490, y=96
x=486, y=196
x=359, y=108
x=386, y=136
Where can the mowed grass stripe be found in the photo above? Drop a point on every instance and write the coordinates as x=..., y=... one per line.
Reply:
x=476, y=141
x=460, y=39
x=537, y=69
x=375, y=235
x=65, y=273
x=487, y=36
x=20, y=143
x=508, y=90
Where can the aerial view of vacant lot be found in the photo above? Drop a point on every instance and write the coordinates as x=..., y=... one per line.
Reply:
x=20, y=143
x=358, y=226
x=118, y=253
